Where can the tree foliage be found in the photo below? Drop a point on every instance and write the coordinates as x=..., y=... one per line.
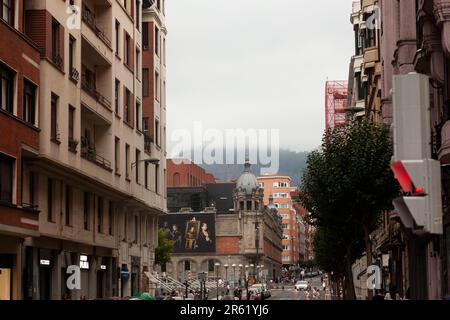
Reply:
x=346, y=187
x=164, y=250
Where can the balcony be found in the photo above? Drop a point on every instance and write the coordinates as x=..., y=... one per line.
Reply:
x=89, y=153
x=371, y=56
x=148, y=140
x=89, y=19
x=90, y=87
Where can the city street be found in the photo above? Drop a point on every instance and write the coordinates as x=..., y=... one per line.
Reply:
x=289, y=293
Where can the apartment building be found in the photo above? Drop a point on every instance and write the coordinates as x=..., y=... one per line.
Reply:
x=364, y=98
x=97, y=183
x=19, y=144
x=277, y=189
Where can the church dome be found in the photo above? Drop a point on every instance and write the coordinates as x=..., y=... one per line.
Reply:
x=247, y=181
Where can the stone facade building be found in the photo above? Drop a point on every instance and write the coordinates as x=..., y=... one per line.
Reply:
x=250, y=234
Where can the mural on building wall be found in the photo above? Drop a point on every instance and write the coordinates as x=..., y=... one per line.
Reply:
x=190, y=232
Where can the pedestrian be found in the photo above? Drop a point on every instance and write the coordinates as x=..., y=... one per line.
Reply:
x=307, y=295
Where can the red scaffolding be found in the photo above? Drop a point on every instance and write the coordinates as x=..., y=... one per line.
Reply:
x=335, y=103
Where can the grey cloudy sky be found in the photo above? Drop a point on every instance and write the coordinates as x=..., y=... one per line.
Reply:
x=256, y=64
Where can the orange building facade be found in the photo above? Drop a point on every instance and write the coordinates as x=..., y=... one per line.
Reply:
x=279, y=187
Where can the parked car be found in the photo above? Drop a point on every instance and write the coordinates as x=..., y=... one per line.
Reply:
x=301, y=285
x=261, y=289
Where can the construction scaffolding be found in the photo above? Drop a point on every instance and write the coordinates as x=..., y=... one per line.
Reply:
x=335, y=103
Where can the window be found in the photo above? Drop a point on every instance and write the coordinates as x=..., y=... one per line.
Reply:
x=116, y=96
x=285, y=247
x=86, y=210
x=211, y=265
x=157, y=87
x=138, y=67
x=50, y=200
x=111, y=218
x=138, y=15
x=117, y=38
x=7, y=89
x=187, y=265
x=145, y=125
x=157, y=128
x=117, y=154
x=127, y=58
x=71, y=123
x=6, y=178
x=7, y=11
x=68, y=206
x=32, y=188
x=286, y=226
x=55, y=44
x=100, y=207
x=281, y=185
x=138, y=115
x=138, y=160
x=157, y=179
x=53, y=116
x=249, y=206
x=145, y=35
x=145, y=82
x=136, y=229
x=29, y=102
x=146, y=175
x=157, y=41
x=72, y=70
x=126, y=107
x=127, y=161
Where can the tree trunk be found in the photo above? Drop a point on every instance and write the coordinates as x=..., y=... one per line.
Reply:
x=349, y=285
x=369, y=256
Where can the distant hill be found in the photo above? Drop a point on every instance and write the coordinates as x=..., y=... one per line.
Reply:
x=292, y=164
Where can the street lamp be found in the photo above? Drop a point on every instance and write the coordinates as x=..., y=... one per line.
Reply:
x=217, y=278
x=240, y=275
x=234, y=274
x=246, y=282
x=149, y=161
x=226, y=266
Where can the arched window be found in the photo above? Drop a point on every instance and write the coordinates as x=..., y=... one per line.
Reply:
x=176, y=179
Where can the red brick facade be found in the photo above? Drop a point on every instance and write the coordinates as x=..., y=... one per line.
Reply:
x=17, y=135
x=228, y=245
x=187, y=174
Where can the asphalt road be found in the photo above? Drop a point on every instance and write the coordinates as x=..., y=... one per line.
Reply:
x=289, y=293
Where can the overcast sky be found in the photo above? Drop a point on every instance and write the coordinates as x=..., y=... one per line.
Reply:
x=256, y=64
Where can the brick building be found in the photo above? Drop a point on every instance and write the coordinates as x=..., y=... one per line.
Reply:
x=248, y=235
x=19, y=145
x=184, y=173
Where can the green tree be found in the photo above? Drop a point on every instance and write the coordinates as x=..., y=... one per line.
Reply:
x=164, y=250
x=346, y=187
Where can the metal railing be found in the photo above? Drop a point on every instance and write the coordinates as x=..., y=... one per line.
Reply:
x=90, y=87
x=90, y=20
x=91, y=155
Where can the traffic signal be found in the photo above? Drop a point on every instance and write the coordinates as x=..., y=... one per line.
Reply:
x=421, y=207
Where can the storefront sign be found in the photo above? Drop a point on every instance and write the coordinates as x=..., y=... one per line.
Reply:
x=44, y=262
x=103, y=267
x=84, y=263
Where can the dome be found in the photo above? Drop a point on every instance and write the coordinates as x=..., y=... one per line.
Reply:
x=247, y=181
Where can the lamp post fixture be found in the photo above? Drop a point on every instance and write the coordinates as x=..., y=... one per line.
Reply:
x=240, y=275
x=226, y=266
x=149, y=161
x=234, y=274
x=246, y=282
x=217, y=265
